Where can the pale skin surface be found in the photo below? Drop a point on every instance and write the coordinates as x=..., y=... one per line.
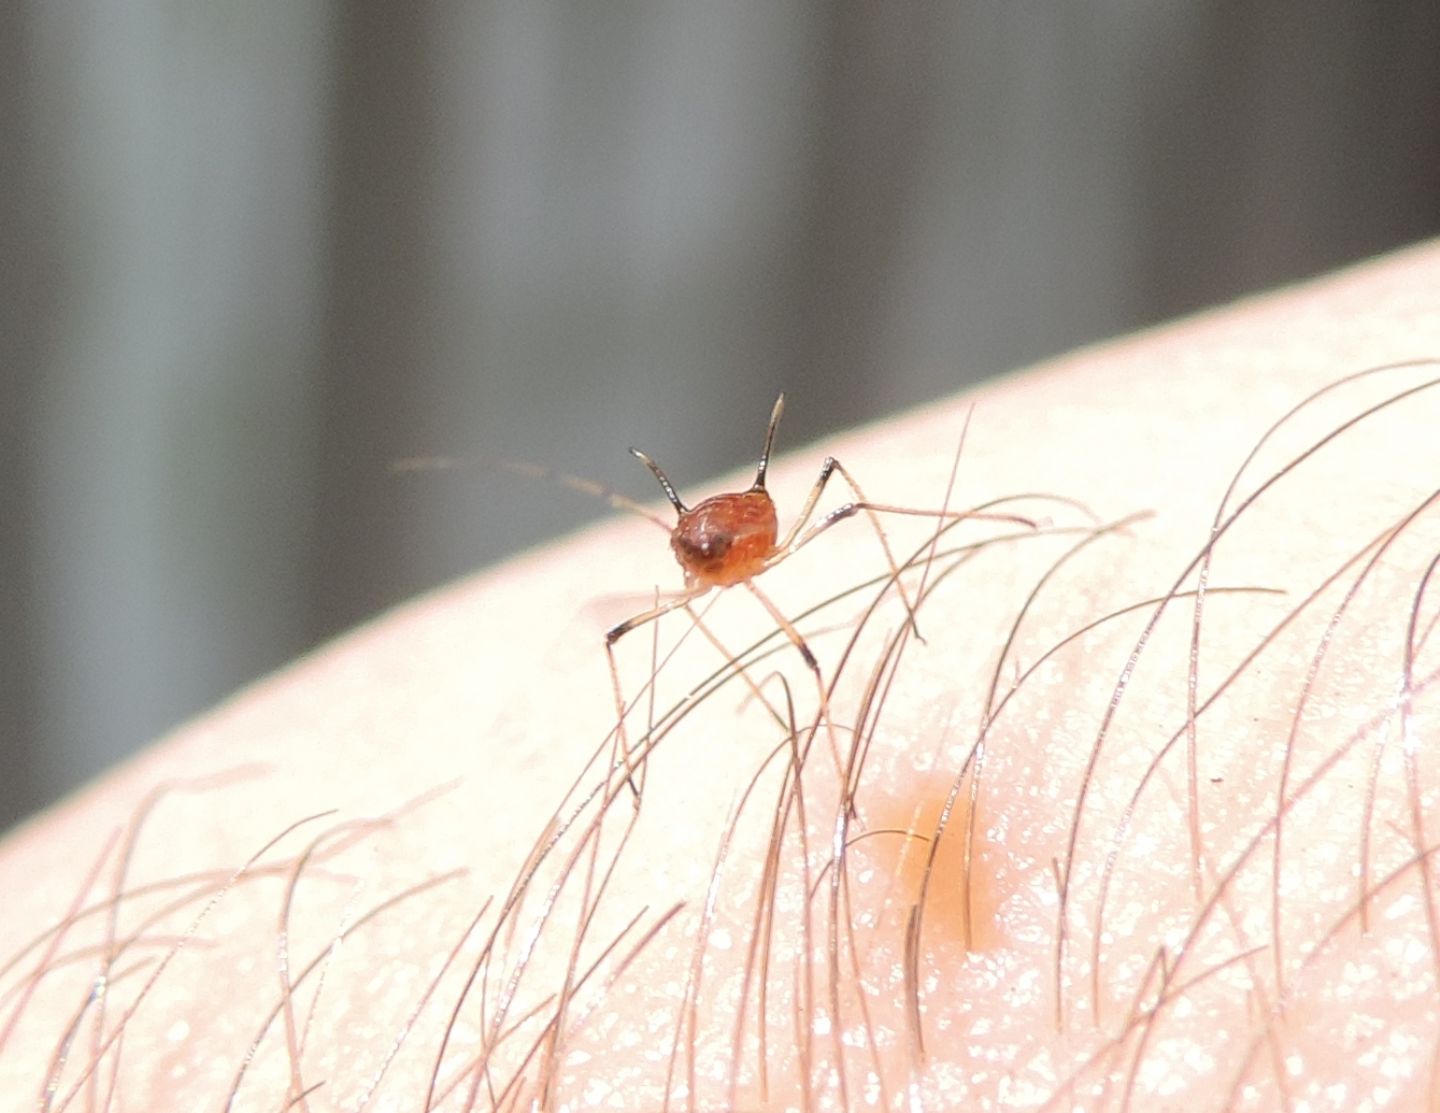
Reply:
x=499, y=685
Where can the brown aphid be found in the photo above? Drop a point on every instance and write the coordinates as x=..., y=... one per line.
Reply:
x=729, y=538
x=726, y=539
x=732, y=538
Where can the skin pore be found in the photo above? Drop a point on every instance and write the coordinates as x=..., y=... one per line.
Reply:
x=1094, y=842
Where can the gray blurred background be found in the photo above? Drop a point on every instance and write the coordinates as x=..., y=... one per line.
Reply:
x=254, y=251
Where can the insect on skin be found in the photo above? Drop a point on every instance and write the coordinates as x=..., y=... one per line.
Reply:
x=731, y=539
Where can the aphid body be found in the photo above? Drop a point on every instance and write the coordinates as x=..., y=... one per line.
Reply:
x=727, y=539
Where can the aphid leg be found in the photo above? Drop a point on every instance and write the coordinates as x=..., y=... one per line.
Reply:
x=793, y=544
x=613, y=635
x=850, y=509
x=788, y=627
x=585, y=487
x=798, y=640
x=622, y=737
x=795, y=539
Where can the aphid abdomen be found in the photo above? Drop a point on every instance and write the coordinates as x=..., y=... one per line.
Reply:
x=726, y=539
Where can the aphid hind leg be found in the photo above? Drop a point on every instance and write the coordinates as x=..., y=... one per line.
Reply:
x=795, y=539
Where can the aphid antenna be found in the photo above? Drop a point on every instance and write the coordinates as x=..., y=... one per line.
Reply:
x=769, y=440
x=664, y=480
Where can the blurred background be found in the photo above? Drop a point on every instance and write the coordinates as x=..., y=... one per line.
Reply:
x=253, y=252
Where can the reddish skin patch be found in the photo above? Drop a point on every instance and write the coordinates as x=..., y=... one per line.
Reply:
x=905, y=860
x=726, y=539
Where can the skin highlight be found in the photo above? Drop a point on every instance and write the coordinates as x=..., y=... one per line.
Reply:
x=1145, y=821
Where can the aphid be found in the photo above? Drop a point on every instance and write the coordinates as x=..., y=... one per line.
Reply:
x=731, y=538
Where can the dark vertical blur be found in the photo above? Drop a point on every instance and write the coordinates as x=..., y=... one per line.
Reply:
x=254, y=253
x=375, y=323
x=21, y=313
x=875, y=112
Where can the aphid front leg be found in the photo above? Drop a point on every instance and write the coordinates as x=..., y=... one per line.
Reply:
x=613, y=635
x=618, y=631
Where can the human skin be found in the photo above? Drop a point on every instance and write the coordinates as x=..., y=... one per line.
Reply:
x=463, y=720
